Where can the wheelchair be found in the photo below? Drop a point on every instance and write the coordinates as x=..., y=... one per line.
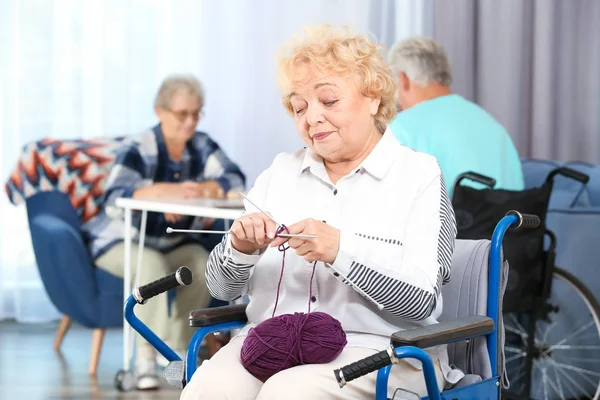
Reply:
x=470, y=324
x=552, y=321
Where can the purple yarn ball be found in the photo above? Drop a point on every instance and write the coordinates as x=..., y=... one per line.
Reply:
x=288, y=340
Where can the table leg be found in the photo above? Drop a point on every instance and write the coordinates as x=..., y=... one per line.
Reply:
x=126, y=286
x=138, y=270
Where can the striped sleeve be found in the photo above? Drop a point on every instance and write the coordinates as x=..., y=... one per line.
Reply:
x=409, y=284
x=228, y=271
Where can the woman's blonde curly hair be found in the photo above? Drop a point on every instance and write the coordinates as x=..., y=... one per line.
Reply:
x=338, y=50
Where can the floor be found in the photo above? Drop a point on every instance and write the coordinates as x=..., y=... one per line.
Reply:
x=31, y=369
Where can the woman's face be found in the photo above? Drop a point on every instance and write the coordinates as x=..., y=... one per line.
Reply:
x=332, y=117
x=179, y=120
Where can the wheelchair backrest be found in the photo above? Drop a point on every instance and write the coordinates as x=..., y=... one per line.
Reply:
x=566, y=193
x=477, y=213
x=465, y=295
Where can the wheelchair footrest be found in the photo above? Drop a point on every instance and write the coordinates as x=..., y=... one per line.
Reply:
x=174, y=374
x=403, y=394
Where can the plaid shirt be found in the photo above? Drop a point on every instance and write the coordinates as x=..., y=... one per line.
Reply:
x=144, y=160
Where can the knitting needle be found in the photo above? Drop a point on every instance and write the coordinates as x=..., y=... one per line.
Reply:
x=284, y=235
x=259, y=209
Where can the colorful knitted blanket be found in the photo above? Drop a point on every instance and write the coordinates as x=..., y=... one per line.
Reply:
x=78, y=168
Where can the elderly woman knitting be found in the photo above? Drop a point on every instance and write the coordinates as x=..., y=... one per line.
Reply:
x=169, y=161
x=381, y=230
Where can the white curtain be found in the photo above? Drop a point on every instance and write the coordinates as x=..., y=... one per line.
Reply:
x=83, y=68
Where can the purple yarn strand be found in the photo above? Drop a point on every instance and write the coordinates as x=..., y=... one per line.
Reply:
x=282, y=247
x=279, y=285
x=311, y=281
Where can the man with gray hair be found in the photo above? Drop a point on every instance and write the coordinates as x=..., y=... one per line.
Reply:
x=434, y=120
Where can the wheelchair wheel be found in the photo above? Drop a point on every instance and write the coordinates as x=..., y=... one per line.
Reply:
x=565, y=356
x=124, y=381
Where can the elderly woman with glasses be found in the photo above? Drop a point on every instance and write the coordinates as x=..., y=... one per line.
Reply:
x=383, y=223
x=169, y=161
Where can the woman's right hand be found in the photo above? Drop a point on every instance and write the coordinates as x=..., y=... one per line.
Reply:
x=252, y=232
x=168, y=190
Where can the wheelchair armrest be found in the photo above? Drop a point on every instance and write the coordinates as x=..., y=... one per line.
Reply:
x=218, y=315
x=444, y=332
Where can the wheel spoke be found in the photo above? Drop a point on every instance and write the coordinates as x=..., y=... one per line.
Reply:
x=577, y=369
x=582, y=328
x=518, y=378
x=548, y=330
x=544, y=384
x=523, y=335
x=581, y=359
x=510, y=349
x=575, y=394
x=515, y=357
x=522, y=332
x=570, y=347
x=558, y=390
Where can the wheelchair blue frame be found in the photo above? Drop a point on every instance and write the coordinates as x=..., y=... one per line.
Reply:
x=482, y=389
x=164, y=349
x=485, y=389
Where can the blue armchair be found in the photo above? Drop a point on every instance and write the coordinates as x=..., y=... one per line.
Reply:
x=61, y=183
x=83, y=293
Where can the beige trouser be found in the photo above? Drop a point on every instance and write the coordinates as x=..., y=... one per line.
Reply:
x=223, y=377
x=173, y=329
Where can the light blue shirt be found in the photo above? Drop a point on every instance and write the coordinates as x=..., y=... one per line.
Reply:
x=463, y=137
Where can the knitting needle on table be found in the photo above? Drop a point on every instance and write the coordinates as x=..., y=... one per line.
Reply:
x=284, y=235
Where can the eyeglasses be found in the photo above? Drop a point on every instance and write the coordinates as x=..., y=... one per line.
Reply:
x=182, y=115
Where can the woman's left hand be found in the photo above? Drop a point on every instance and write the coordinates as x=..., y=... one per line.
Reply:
x=324, y=248
x=210, y=189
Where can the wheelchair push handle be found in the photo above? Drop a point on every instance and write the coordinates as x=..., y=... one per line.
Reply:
x=181, y=277
x=365, y=366
x=525, y=221
x=569, y=173
x=475, y=177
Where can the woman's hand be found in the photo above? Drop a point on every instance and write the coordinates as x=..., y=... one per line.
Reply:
x=194, y=190
x=180, y=190
x=324, y=248
x=173, y=218
x=168, y=190
x=208, y=189
x=252, y=232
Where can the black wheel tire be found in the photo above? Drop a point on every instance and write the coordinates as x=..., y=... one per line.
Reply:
x=124, y=381
x=561, y=274
x=566, y=276
x=582, y=288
